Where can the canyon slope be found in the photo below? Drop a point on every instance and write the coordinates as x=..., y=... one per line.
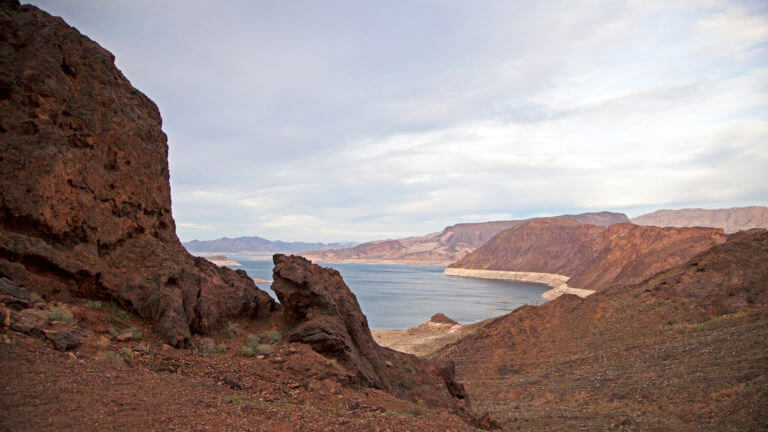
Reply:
x=444, y=247
x=592, y=257
x=686, y=349
x=255, y=245
x=98, y=293
x=730, y=220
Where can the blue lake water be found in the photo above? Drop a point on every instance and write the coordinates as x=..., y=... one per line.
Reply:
x=402, y=296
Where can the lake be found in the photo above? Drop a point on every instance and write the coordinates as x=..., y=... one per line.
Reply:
x=402, y=296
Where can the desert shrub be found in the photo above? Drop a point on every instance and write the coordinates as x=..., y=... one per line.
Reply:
x=232, y=329
x=113, y=331
x=254, y=346
x=60, y=314
x=264, y=349
x=271, y=336
x=116, y=313
x=93, y=304
x=112, y=357
x=126, y=352
x=221, y=348
x=252, y=341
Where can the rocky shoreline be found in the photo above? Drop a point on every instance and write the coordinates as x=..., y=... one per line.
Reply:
x=557, y=282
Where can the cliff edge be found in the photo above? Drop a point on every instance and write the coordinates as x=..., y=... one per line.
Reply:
x=85, y=202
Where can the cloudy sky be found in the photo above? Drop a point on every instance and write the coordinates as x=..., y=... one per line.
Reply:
x=332, y=120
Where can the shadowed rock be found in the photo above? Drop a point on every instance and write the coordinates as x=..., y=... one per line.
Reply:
x=324, y=313
x=85, y=203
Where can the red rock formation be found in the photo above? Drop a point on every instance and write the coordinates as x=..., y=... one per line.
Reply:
x=593, y=257
x=445, y=247
x=85, y=203
x=322, y=312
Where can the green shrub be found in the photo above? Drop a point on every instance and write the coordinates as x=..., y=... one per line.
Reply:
x=221, y=348
x=93, y=304
x=60, y=314
x=136, y=334
x=112, y=357
x=264, y=349
x=113, y=331
x=126, y=352
x=254, y=346
x=271, y=336
x=247, y=351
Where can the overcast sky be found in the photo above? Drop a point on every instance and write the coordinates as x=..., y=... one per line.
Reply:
x=332, y=121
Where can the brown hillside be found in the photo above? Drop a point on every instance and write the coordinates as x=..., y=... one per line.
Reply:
x=730, y=220
x=445, y=247
x=593, y=257
x=685, y=350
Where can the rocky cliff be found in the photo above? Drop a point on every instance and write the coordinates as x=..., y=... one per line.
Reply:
x=730, y=220
x=684, y=347
x=445, y=247
x=85, y=203
x=593, y=257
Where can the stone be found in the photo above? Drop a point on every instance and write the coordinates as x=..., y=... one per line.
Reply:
x=29, y=321
x=14, y=296
x=321, y=311
x=5, y=317
x=84, y=187
x=63, y=340
x=205, y=345
x=124, y=337
x=440, y=318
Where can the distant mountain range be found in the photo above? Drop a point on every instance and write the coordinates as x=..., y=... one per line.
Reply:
x=730, y=220
x=444, y=247
x=256, y=245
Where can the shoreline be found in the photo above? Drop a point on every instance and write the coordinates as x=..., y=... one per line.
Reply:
x=557, y=282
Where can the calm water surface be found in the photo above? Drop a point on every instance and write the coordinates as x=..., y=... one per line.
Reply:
x=402, y=296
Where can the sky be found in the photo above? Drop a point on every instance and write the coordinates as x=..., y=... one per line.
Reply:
x=362, y=120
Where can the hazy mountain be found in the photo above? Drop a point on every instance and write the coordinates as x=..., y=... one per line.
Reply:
x=444, y=247
x=731, y=220
x=254, y=244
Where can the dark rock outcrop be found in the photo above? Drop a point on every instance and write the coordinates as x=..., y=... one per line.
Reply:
x=85, y=203
x=322, y=312
x=442, y=318
x=63, y=340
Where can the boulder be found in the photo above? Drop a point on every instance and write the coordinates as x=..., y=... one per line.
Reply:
x=85, y=203
x=14, y=296
x=29, y=321
x=63, y=340
x=321, y=311
x=441, y=318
